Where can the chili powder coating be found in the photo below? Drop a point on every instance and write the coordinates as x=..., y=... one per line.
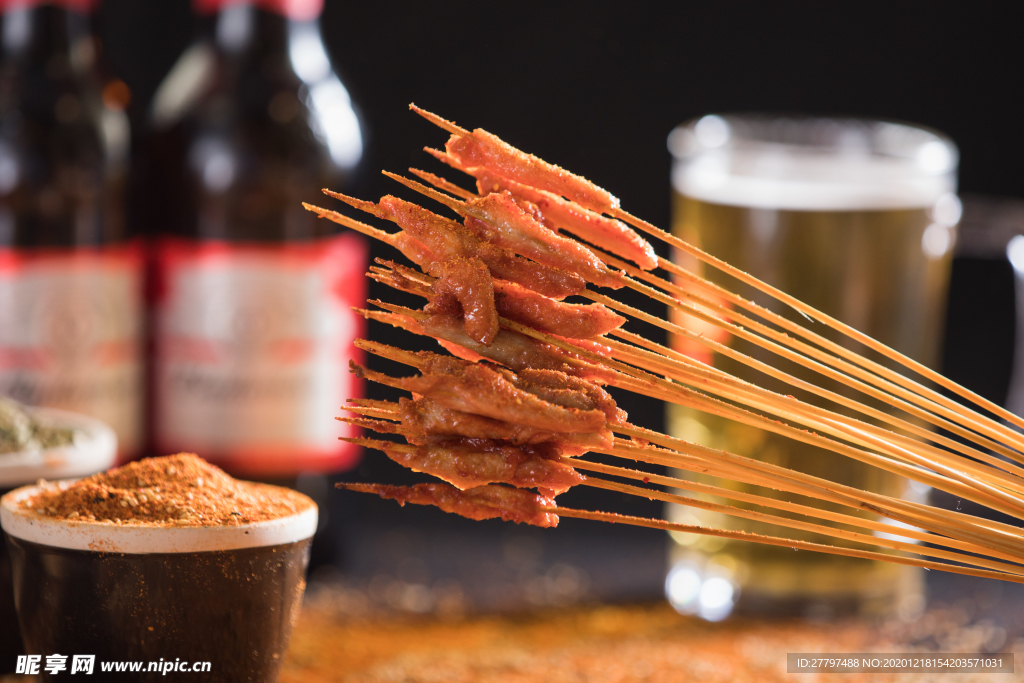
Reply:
x=176, y=490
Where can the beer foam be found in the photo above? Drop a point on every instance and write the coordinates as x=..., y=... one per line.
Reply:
x=93, y=450
x=809, y=182
x=811, y=164
x=137, y=539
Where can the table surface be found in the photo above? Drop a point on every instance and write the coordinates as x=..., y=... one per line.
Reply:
x=337, y=639
x=648, y=642
x=429, y=597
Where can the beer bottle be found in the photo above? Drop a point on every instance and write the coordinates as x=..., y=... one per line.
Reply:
x=70, y=279
x=252, y=295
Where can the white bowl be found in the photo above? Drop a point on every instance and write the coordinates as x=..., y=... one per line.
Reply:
x=94, y=450
x=143, y=539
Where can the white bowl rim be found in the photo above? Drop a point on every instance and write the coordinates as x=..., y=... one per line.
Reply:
x=138, y=539
x=94, y=450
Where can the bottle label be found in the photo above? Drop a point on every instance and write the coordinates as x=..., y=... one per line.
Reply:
x=81, y=6
x=296, y=10
x=71, y=333
x=252, y=349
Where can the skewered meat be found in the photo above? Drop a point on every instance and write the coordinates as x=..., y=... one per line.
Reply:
x=591, y=345
x=424, y=419
x=475, y=388
x=513, y=349
x=466, y=286
x=569, y=391
x=554, y=211
x=481, y=148
x=489, y=151
x=577, y=321
x=421, y=427
x=514, y=302
x=468, y=463
x=430, y=417
x=608, y=233
x=483, y=502
x=497, y=218
x=509, y=348
x=434, y=239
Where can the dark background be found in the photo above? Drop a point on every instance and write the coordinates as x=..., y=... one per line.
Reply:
x=596, y=87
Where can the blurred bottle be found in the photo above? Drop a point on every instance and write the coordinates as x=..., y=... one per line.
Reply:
x=70, y=280
x=252, y=295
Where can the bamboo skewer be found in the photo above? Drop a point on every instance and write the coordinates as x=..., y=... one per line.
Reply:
x=875, y=371
x=903, y=388
x=766, y=518
x=776, y=520
x=692, y=378
x=993, y=535
x=717, y=407
x=811, y=312
x=615, y=518
x=675, y=370
x=987, y=427
x=967, y=486
x=799, y=346
x=868, y=411
x=980, y=492
x=763, y=501
x=889, y=390
x=840, y=496
x=441, y=183
x=767, y=501
x=976, y=457
x=777, y=477
x=952, y=414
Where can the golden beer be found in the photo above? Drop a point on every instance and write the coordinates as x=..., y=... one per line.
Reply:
x=857, y=219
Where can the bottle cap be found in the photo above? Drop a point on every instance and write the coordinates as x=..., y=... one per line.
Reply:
x=83, y=6
x=299, y=10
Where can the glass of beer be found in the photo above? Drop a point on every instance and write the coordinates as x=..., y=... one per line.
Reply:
x=858, y=219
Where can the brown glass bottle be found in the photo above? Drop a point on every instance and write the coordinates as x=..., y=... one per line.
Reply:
x=252, y=296
x=70, y=280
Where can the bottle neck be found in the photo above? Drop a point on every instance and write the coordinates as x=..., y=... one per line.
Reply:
x=49, y=33
x=243, y=30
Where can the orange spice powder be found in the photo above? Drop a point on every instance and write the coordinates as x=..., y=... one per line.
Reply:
x=176, y=490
